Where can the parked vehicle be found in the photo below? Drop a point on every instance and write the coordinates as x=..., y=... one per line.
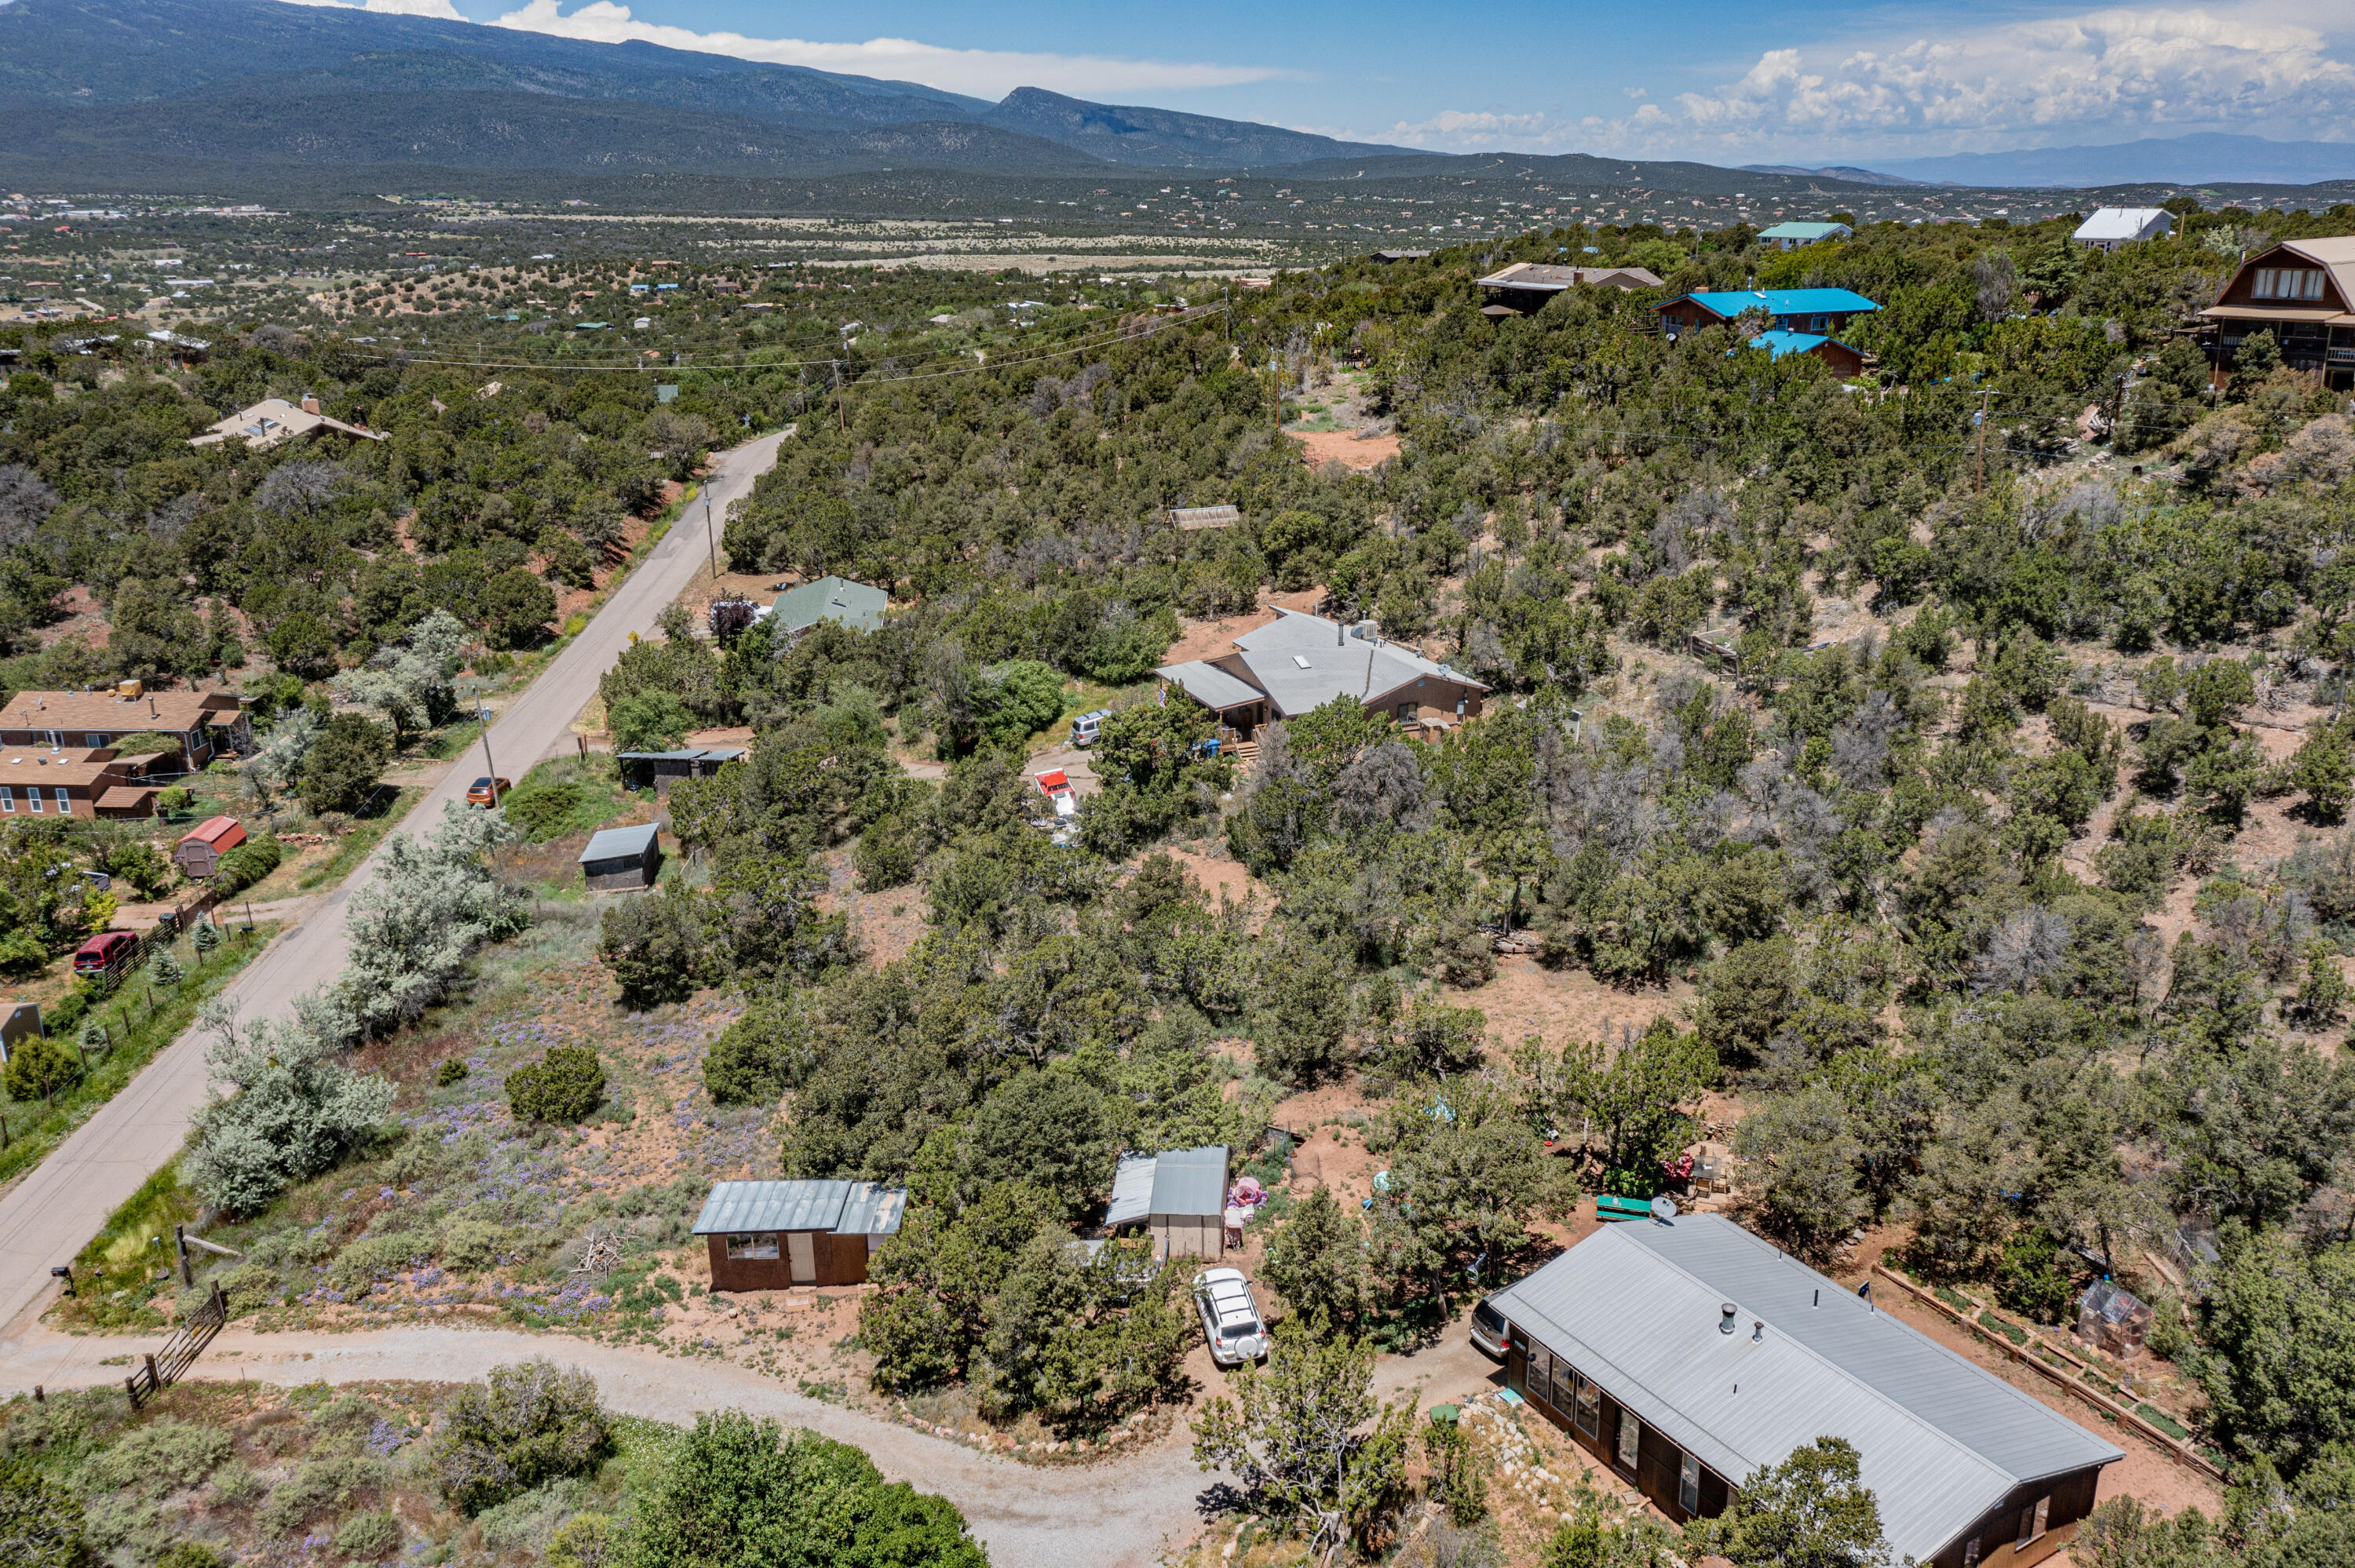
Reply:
x=102, y=952
x=485, y=791
x=1490, y=1332
x=1230, y=1320
x=1084, y=728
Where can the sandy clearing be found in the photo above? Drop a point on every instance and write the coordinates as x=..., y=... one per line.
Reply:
x=1346, y=447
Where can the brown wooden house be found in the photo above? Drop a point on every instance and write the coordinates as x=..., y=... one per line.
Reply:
x=206, y=723
x=769, y=1236
x=2302, y=291
x=73, y=782
x=1689, y=1354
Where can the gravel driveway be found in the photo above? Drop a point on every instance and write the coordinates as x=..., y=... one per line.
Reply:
x=1121, y=1513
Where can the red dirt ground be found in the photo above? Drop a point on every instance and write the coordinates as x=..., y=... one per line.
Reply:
x=1344, y=447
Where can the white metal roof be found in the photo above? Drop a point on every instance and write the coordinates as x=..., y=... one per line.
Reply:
x=1209, y=685
x=2111, y=223
x=1638, y=1308
x=1132, y=1190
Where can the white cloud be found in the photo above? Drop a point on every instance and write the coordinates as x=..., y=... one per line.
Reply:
x=2099, y=75
x=983, y=73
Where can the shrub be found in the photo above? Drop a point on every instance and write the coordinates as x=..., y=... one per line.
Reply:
x=453, y=1070
x=175, y=798
x=192, y=1554
x=585, y=1541
x=372, y=1258
x=526, y=1426
x=655, y=945
x=648, y=721
x=538, y=809
x=319, y=1486
x=472, y=1246
x=296, y=1111
x=563, y=1086
x=368, y=1537
x=340, y=769
x=206, y=936
x=40, y=1068
x=162, y=1456
x=248, y=864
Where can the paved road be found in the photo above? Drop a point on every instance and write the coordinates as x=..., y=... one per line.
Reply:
x=1114, y=1513
x=46, y=1217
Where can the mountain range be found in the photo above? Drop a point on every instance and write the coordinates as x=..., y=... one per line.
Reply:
x=210, y=78
x=2205, y=158
x=219, y=94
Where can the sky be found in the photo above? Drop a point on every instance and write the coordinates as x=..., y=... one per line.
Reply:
x=1725, y=81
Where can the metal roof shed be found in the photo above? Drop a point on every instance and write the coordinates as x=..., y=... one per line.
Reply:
x=620, y=859
x=1690, y=1354
x=1186, y=1214
x=854, y=604
x=767, y=1236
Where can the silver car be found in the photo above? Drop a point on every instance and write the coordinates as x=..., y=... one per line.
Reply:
x=1490, y=1332
x=1230, y=1320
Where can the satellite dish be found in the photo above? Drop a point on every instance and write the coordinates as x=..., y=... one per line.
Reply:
x=1664, y=1209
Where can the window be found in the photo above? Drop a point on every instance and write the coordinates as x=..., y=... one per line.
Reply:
x=1406, y=713
x=33, y=798
x=65, y=803
x=752, y=1247
x=2264, y=287
x=7, y=799
x=1688, y=1485
x=2288, y=283
x=1631, y=1438
x=2031, y=1519
x=1971, y=1552
x=93, y=741
x=1589, y=1407
x=54, y=737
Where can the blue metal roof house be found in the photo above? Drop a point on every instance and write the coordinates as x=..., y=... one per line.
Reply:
x=1823, y=311
x=1791, y=236
x=1844, y=360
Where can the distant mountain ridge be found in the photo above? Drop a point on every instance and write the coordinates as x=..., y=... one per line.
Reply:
x=2207, y=158
x=1832, y=172
x=96, y=56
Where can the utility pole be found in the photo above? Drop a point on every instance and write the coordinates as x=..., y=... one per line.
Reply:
x=1978, y=485
x=841, y=413
x=483, y=713
x=709, y=543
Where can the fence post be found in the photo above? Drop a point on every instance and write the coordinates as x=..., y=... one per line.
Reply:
x=154, y=1381
x=180, y=1240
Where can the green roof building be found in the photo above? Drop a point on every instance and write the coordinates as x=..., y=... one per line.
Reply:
x=854, y=604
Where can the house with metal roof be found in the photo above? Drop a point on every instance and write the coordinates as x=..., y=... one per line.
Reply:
x=1788, y=310
x=1845, y=361
x=2302, y=291
x=662, y=768
x=623, y=860
x=1526, y=286
x=1791, y=236
x=1179, y=1195
x=2111, y=227
x=769, y=1236
x=1299, y=662
x=1687, y=1355
x=854, y=604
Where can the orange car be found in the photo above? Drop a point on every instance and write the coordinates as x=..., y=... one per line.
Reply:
x=485, y=791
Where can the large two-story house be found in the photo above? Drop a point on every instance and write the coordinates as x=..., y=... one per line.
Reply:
x=2301, y=290
x=205, y=723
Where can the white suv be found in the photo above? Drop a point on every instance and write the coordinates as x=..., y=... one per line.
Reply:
x=1230, y=1320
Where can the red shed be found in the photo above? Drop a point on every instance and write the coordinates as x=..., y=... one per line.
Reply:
x=199, y=853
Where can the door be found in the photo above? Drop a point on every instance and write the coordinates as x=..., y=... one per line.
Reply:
x=1631, y=1437
x=801, y=1247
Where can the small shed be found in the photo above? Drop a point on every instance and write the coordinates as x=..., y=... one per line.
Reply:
x=199, y=854
x=18, y=1021
x=768, y=1235
x=1181, y=1197
x=664, y=769
x=620, y=860
x=1194, y=519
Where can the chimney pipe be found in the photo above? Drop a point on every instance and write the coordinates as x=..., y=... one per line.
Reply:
x=1725, y=1322
x=1757, y=1331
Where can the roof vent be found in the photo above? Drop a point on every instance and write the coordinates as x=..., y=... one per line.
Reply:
x=1725, y=1323
x=1757, y=1331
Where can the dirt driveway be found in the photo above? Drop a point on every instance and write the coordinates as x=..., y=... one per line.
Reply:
x=1123, y=1514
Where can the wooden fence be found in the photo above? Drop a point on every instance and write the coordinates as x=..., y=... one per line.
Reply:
x=165, y=1367
x=2174, y=1447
